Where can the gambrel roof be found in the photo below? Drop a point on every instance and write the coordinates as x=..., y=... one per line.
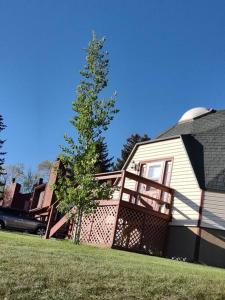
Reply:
x=204, y=139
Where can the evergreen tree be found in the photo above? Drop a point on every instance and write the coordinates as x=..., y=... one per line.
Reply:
x=92, y=116
x=128, y=147
x=103, y=164
x=2, y=160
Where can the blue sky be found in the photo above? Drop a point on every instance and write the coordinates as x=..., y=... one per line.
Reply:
x=165, y=57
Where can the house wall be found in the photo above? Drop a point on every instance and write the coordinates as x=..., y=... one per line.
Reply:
x=212, y=247
x=38, y=196
x=205, y=245
x=213, y=214
x=183, y=180
x=10, y=193
x=49, y=194
x=181, y=242
x=14, y=199
x=185, y=239
x=212, y=232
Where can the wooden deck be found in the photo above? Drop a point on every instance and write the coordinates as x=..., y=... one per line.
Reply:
x=131, y=221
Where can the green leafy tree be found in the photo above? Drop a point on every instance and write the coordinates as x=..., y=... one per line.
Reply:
x=76, y=185
x=2, y=159
x=104, y=163
x=128, y=147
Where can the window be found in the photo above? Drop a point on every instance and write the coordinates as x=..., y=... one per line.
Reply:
x=159, y=171
x=155, y=171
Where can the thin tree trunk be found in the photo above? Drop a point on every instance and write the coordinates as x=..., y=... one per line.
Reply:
x=76, y=236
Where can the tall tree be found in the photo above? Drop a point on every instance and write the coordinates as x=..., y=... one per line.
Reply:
x=128, y=147
x=2, y=160
x=15, y=171
x=92, y=116
x=104, y=163
x=29, y=180
x=44, y=168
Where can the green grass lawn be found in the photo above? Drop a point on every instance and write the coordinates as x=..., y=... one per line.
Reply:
x=32, y=268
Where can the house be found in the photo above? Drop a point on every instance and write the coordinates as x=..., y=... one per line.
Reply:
x=14, y=198
x=170, y=197
x=190, y=158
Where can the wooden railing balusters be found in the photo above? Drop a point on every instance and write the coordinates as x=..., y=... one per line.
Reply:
x=121, y=176
x=118, y=178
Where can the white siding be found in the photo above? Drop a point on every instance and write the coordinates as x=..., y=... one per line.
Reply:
x=213, y=214
x=183, y=180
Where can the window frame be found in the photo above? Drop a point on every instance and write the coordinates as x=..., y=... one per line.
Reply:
x=162, y=164
x=163, y=159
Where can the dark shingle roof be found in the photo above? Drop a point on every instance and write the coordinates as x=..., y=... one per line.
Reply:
x=204, y=139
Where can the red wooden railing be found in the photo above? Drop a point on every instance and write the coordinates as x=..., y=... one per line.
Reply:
x=139, y=193
x=138, y=196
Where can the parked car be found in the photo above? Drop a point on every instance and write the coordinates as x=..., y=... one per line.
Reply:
x=20, y=220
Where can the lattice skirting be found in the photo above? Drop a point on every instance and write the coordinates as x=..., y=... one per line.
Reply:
x=98, y=228
x=140, y=232
x=129, y=228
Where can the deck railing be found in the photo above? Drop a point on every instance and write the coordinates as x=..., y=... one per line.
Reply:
x=140, y=190
x=133, y=193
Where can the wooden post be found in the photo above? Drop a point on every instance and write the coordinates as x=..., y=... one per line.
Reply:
x=171, y=203
x=50, y=217
x=123, y=178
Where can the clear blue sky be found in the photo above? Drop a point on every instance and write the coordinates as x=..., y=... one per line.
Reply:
x=165, y=57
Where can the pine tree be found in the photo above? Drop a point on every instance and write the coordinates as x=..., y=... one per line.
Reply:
x=2, y=160
x=128, y=147
x=103, y=164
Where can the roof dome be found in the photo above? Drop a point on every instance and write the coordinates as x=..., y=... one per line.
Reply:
x=194, y=113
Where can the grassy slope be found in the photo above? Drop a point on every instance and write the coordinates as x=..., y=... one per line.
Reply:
x=32, y=268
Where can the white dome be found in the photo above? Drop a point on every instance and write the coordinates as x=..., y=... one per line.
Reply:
x=194, y=113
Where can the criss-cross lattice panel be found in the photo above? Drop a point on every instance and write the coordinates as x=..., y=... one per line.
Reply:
x=140, y=231
x=154, y=234
x=86, y=225
x=97, y=228
x=129, y=229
